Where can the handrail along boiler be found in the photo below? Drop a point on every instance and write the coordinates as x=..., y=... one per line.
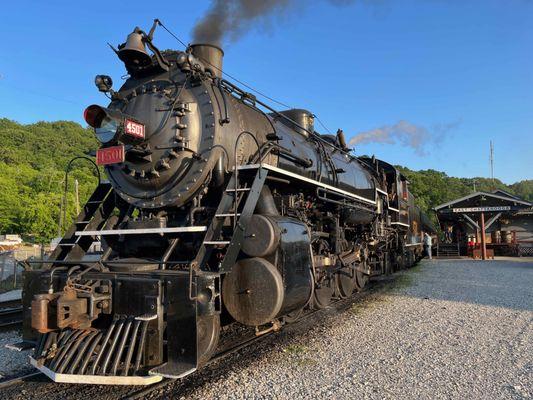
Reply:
x=219, y=210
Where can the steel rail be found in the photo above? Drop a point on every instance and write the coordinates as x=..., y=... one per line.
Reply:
x=339, y=305
x=19, y=379
x=10, y=313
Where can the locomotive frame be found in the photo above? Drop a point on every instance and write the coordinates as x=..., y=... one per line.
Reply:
x=227, y=212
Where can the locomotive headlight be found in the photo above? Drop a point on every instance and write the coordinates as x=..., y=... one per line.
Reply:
x=104, y=83
x=112, y=125
x=105, y=122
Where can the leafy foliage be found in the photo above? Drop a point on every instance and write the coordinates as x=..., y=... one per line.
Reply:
x=523, y=189
x=432, y=188
x=33, y=159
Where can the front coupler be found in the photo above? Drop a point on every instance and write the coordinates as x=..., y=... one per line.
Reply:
x=143, y=329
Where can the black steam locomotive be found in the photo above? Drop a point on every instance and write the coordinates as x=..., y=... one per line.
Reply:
x=219, y=210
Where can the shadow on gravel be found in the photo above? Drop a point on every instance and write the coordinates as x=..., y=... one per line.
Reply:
x=40, y=388
x=496, y=283
x=493, y=283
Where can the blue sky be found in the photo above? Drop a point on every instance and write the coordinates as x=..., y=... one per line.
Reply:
x=459, y=71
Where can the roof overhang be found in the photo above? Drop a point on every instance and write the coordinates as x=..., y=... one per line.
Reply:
x=511, y=201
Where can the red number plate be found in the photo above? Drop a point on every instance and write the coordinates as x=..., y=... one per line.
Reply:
x=134, y=129
x=110, y=155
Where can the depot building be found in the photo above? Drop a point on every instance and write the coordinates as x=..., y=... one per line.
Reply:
x=482, y=225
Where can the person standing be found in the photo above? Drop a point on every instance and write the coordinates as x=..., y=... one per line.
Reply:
x=427, y=245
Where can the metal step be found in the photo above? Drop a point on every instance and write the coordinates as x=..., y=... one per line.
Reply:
x=178, y=229
x=238, y=190
x=228, y=215
x=217, y=242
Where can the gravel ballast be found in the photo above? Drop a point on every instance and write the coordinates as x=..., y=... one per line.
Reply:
x=445, y=329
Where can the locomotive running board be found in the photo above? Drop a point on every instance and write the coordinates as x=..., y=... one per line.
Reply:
x=96, y=379
x=308, y=180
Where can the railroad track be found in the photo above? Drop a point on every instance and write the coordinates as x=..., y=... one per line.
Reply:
x=10, y=314
x=29, y=381
x=19, y=379
x=223, y=354
x=337, y=306
x=32, y=381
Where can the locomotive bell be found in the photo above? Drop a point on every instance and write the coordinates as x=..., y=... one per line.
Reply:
x=133, y=51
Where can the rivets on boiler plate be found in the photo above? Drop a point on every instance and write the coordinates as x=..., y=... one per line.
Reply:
x=164, y=164
x=172, y=154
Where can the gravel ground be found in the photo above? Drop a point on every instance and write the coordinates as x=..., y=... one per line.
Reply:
x=445, y=329
x=12, y=362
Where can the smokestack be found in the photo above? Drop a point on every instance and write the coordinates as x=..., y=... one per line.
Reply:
x=211, y=56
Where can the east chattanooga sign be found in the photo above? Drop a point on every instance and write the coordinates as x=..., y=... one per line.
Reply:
x=481, y=209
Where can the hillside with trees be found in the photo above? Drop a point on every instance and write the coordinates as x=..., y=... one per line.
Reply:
x=432, y=188
x=33, y=159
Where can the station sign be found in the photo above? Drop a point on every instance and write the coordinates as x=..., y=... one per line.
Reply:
x=481, y=209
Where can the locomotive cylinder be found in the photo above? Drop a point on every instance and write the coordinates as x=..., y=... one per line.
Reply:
x=260, y=289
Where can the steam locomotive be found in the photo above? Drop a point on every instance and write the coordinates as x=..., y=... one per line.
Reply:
x=218, y=211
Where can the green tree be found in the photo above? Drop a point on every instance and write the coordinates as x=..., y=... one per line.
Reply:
x=33, y=159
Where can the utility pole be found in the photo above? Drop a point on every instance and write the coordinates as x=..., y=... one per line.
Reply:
x=483, y=238
x=492, y=164
x=76, y=188
x=474, y=181
x=60, y=224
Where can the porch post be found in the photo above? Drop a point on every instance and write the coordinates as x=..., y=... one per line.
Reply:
x=483, y=239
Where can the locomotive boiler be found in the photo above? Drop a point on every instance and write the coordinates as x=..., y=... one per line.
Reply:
x=219, y=210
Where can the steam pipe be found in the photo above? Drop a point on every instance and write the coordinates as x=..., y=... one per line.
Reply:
x=265, y=203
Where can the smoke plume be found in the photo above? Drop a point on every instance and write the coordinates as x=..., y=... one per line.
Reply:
x=407, y=134
x=229, y=19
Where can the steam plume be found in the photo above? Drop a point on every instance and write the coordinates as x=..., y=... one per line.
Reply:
x=228, y=19
x=405, y=133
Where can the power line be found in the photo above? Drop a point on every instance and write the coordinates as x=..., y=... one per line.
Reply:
x=323, y=126
x=7, y=84
x=226, y=73
x=492, y=164
x=238, y=80
x=171, y=34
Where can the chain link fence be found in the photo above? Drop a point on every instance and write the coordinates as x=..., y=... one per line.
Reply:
x=11, y=270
